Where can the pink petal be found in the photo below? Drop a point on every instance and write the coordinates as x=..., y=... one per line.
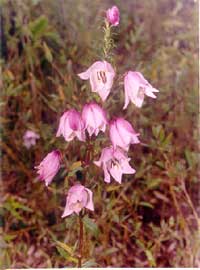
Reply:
x=67, y=212
x=81, y=135
x=106, y=174
x=127, y=99
x=116, y=172
x=117, y=138
x=149, y=92
x=90, y=204
x=85, y=75
x=126, y=168
x=97, y=163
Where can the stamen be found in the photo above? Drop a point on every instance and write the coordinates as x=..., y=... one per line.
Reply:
x=101, y=76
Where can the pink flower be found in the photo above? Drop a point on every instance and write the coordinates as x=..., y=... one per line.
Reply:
x=78, y=197
x=94, y=118
x=122, y=134
x=114, y=162
x=101, y=76
x=112, y=15
x=136, y=87
x=49, y=167
x=71, y=125
x=30, y=138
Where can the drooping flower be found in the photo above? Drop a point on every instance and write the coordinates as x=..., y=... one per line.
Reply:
x=115, y=163
x=112, y=15
x=71, y=125
x=101, y=75
x=94, y=118
x=30, y=138
x=49, y=167
x=136, y=87
x=78, y=197
x=122, y=134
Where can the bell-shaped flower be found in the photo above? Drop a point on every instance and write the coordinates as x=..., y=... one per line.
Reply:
x=136, y=87
x=78, y=198
x=49, y=167
x=122, y=134
x=94, y=118
x=30, y=138
x=101, y=75
x=112, y=15
x=115, y=163
x=71, y=125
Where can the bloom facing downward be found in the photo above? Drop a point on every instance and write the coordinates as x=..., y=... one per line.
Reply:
x=71, y=125
x=122, y=134
x=114, y=162
x=30, y=138
x=135, y=87
x=78, y=197
x=101, y=76
x=112, y=15
x=94, y=118
x=49, y=167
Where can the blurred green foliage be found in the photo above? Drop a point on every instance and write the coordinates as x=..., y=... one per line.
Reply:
x=152, y=218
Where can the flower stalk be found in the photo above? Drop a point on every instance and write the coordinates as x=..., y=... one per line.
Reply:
x=80, y=255
x=108, y=41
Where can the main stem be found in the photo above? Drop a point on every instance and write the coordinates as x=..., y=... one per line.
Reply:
x=80, y=241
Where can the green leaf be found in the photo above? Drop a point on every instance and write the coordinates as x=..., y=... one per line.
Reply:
x=15, y=91
x=167, y=140
x=9, y=237
x=47, y=52
x=76, y=166
x=91, y=226
x=12, y=206
x=110, y=251
x=39, y=26
x=153, y=183
x=112, y=188
x=90, y=263
x=150, y=258
x=146, y=204
x=64, y=246
x=65, y=255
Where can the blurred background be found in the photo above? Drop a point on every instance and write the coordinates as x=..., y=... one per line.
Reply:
x=151, y=219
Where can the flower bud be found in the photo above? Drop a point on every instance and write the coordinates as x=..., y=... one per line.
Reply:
x=112, y=15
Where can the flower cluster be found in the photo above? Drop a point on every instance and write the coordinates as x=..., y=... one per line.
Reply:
x=93, y=119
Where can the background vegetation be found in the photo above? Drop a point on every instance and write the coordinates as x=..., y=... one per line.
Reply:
x=151, y=219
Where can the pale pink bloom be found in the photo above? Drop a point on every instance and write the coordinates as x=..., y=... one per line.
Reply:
x=30, y=138
x=101, y=75
x=112, y=15
x=136, y=87
x=114, y=162
x=78, y=197
x=122, y=134
x=49, y=167
x=71, y=125
x=94, y=118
